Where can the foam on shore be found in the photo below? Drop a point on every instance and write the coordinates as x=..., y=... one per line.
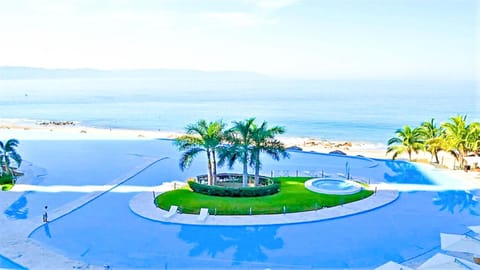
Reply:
x=27, y=129
x=23, y=129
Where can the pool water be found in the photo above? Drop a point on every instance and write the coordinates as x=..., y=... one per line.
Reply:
x=332, y=186
x=106, y=231
x=6, y=263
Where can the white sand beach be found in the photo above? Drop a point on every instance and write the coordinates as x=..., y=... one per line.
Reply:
x=70, y=130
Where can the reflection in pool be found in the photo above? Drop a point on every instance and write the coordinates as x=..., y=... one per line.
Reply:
x=105, y=231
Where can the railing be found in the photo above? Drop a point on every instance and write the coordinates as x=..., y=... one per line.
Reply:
x=457, y=261
x=319, y=174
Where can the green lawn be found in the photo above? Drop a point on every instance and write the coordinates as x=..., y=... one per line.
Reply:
x=5, y=182
x=293, y=195
x=6, y=187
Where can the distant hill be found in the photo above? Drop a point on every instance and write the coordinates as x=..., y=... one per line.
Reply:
x=9, y=73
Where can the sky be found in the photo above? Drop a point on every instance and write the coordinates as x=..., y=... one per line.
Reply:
x=303, y=39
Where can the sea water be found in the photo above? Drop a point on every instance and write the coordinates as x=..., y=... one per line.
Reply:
x=368, y=111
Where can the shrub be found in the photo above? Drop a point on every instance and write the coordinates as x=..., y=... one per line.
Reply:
x=271, y=189
x=6, y=179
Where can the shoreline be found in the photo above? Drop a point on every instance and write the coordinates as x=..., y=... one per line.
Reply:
x=33, y=131
x=30, y=129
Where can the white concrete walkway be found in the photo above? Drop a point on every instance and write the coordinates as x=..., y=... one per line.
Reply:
x=29, y=253
x=143, y=205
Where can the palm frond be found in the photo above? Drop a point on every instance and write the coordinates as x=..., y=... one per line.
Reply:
x=11, y=144
x=16, y=157
x=188, y=156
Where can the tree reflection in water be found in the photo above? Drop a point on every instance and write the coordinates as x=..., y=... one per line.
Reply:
x=404, y=173
x=249, y=242
x=458, y=200
x=18, y=209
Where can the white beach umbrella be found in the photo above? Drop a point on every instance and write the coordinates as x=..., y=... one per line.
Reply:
x=460, y=242
x=392, y=266
x=475, y=229
x=444, y=262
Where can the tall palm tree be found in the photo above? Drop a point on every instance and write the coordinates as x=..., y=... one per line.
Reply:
x=432, y=137
x=201, y=137
x=407, y=140
x=459, y=136
x=473, y=140
x=240, y=139
x=263, y=140
x=8, y=152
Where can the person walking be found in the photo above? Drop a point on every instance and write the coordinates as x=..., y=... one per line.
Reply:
x=45, y=214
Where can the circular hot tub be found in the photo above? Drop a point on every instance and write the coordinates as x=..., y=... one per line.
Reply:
x=333, y=186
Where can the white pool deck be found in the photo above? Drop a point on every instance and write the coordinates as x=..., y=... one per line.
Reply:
x=29, y=253
x=142, y=204
x=15, y=244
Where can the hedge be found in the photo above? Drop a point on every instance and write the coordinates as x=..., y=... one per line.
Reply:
x=6, y=178
x=235, y=192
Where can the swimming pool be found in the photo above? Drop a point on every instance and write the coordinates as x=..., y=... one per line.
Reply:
x=333, y=186
x=105, y=231
x=6, y=263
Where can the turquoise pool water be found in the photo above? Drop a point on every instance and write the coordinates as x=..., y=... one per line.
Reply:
x=333, y=186
x=6, y=263
x=105, y=231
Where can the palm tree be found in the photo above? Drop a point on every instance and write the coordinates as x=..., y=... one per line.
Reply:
x=432, y=137
x=8, y=152
x=473, y=140
x=407, y=140
x=240, y=142
x=460, y=137
x=263, y=139
x=201, y=137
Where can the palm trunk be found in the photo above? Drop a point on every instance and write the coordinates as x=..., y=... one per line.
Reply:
x=436, y=157
x=209, y=175
x=461, y=154
x=245, y=172
x=461, y=159
x=245, y=165
x=409, y=155
x=257, y=170
x=214, y=165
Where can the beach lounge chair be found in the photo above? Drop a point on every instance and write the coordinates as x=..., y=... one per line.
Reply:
x=203, y=214
x=173, y=210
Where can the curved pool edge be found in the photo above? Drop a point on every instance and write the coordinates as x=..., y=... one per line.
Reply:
x=25, y=250
x=373, y=161
x=355, y=187
x=142, y=205
x=88, y=198
x=7, y=263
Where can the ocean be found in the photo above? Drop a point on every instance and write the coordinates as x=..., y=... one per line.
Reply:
x=364, y=111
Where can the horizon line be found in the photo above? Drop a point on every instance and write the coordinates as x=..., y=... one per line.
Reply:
x=233, y=72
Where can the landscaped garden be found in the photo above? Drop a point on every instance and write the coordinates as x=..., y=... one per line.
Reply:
x=242, y=194
x=292, y=197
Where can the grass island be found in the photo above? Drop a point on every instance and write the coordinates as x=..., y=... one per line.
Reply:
x=250, y=194
x=292, y=197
